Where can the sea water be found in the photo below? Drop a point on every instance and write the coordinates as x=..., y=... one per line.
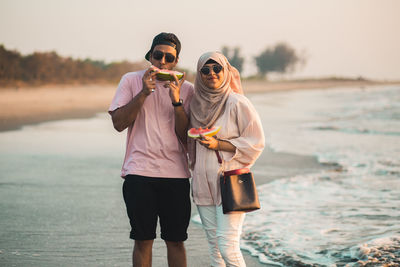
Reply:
x=349, y=216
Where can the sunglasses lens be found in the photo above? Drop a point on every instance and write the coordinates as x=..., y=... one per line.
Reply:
x=157, y=55
x=205, y=70
x=217, y=68
x=169, y=58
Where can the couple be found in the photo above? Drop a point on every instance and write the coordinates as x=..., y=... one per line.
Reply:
x=156, y=170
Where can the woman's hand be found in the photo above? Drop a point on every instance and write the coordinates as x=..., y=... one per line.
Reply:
x=216, y=144
x=209, y=142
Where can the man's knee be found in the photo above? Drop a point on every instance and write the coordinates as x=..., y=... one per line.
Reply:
x=144, y=244
x=175, y=244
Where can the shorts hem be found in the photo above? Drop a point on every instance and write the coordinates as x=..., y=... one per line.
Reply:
x=133, y=237
x=181, y=239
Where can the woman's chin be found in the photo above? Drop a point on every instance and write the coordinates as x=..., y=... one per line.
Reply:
x=212, y=85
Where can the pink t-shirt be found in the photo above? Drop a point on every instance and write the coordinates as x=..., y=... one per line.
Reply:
x=152, y=147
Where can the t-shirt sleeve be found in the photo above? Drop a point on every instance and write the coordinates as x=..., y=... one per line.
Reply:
x=128, y=87
x=251, y=141
x=187, y=95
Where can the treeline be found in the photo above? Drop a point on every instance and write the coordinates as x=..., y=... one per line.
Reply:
x=48, y=67
x=280, y=58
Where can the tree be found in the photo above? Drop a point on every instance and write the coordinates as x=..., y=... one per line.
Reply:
x=49, y=67
x=233, y=57
x=9, y=64
x=280, y=58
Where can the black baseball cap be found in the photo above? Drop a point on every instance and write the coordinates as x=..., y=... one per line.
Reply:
x=165, y=38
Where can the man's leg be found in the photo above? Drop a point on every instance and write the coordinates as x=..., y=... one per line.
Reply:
x=142, y=253
x=139, y=197
x=174, y=212
x=176, y=254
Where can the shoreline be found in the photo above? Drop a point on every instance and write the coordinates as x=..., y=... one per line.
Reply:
x=276, y=165
x=32, y=105
x=279, y=165
x=256, y=86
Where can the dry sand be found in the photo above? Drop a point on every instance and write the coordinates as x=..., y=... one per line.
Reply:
x=23, y=106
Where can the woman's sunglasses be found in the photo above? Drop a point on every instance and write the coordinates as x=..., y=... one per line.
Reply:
x=206, y=70
x=158, y=55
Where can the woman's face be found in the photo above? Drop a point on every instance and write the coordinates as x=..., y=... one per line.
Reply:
x=212, y=75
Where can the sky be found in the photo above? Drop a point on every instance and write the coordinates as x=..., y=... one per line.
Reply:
x=349, y=38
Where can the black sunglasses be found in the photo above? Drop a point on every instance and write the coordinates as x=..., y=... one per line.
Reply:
x=206, y=70
x=158, y=55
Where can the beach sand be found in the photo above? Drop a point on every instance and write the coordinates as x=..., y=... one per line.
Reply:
x=24, y=106
x=30, y=105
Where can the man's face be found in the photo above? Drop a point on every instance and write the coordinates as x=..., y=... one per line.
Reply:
x=164, y=57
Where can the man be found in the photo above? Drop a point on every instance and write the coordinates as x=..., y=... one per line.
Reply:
x=155, y=166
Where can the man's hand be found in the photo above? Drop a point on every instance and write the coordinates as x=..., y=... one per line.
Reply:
x=149, y=80
x=175, y=87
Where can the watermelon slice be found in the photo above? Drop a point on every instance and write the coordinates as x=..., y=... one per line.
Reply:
x=166, y=75
x=195, y=132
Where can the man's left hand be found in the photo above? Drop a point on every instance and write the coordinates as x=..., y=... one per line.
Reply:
x=175, y=87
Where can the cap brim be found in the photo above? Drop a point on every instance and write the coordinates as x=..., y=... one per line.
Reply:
x=147, y=56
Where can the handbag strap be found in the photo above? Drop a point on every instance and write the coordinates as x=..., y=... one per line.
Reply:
x=218, y=157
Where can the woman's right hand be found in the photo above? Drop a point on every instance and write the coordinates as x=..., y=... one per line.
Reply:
x=216, y=144
x=208, y=142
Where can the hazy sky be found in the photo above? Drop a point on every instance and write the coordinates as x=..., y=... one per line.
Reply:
x=339, y=37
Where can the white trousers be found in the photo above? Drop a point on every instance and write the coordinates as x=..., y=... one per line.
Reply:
x=223, y=233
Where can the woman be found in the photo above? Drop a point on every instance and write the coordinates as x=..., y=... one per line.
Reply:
x=219, y=101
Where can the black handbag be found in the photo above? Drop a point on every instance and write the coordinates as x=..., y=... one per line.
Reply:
x=238, y=190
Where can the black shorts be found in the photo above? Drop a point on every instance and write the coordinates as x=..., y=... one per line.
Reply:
x=148, y=199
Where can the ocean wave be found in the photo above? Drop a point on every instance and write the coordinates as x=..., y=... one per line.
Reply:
x=384, y=251
x=323, y=219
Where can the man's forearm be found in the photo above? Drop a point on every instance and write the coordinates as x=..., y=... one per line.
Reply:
x=181, y=123
x=124, y=116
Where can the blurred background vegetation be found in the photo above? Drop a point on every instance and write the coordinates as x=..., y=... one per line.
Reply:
x=50, y=68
